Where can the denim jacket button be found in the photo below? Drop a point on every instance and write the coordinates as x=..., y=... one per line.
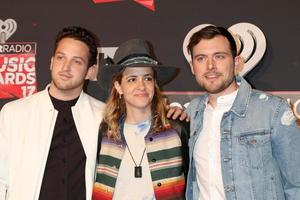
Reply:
x=226, y=159
x=229, y=188
x=226, y=131
x=253, y=141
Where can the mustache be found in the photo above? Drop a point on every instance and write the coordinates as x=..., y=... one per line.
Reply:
x=212, y=73
x=65, y=73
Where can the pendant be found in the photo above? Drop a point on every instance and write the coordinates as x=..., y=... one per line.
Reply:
x=138, y=171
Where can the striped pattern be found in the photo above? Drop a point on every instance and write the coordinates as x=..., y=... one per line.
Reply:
x=102, y=192
x=165, y=161
x=170, y=189
x=168, y=163
x=109, y=162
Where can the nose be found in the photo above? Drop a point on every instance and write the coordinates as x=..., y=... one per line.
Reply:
x=141, y=84
x=211, y=63
x=66, y=65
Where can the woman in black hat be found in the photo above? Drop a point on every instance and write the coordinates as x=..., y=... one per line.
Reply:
x=141, y=152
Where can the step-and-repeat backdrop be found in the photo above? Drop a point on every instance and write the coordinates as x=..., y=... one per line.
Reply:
x=267, y=33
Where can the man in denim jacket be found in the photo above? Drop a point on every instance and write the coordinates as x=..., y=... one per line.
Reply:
x=244, y=143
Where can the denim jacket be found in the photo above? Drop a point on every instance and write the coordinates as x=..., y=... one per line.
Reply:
x=260, y=147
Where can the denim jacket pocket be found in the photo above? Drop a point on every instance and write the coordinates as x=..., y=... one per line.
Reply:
x=255, y=148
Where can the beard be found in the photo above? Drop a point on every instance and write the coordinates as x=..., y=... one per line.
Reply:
x=67, y=85
x=215, y=87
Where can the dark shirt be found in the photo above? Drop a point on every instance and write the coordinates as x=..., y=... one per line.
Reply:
x=64, y=175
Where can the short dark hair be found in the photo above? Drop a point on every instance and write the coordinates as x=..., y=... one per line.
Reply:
x=83, y=35
x=210, y=32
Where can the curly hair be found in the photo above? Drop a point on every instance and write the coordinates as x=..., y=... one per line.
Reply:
x=83, y=35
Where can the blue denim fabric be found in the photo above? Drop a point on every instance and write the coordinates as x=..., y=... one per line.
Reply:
x=260, y=147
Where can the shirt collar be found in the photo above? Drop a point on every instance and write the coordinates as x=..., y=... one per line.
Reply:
x=225, y=100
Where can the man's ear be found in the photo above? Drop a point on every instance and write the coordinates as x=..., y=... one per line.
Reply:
x=191, y=66
x=118, y=87
x=94, y=73
x=238, y=64
x=91, y=73
x=51, y=63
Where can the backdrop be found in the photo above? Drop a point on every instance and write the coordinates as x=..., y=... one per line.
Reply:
x=28, y=28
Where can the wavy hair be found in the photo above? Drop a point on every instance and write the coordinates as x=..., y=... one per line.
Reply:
x=116, y=109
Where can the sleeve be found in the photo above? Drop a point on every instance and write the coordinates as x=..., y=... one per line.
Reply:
x=286, y=149
x=183, y=131
x=185, y=134
x=102, y=130
x=4, y=150
x=188, y=110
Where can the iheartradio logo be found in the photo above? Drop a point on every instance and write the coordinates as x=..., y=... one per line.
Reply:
x=146, y=3
x=7, y=28
x=17, y=64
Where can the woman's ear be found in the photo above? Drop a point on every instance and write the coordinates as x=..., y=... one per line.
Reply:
x=118, y=87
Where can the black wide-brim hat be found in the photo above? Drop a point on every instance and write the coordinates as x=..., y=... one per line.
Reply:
x=136, y=53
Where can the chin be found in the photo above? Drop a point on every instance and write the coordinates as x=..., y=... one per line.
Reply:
x=143, y=105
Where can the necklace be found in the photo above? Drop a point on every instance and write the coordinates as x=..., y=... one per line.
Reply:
x=140, y=129
x=137, y=168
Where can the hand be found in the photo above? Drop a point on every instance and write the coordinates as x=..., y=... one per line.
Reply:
x=175, y=111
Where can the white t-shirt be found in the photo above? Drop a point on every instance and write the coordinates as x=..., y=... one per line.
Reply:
x=129, y=187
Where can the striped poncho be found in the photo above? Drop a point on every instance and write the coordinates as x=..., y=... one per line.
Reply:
x=165, y=161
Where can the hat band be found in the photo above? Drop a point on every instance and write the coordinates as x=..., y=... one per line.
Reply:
x=139, y=60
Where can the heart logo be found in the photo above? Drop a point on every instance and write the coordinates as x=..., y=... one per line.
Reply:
x=251, y=43
x=7, y=28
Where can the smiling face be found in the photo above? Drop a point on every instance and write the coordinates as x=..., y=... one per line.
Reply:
x=214, y=66
x=69, y=69
x=137, y=88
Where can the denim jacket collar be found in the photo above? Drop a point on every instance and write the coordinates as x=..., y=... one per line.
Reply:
x=201, y=105
x=240, y=104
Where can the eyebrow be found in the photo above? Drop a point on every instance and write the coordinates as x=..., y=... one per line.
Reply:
x=218, y=52
x=223, y=52
x=77, y=57
x=149, y=75
x=136, y=75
